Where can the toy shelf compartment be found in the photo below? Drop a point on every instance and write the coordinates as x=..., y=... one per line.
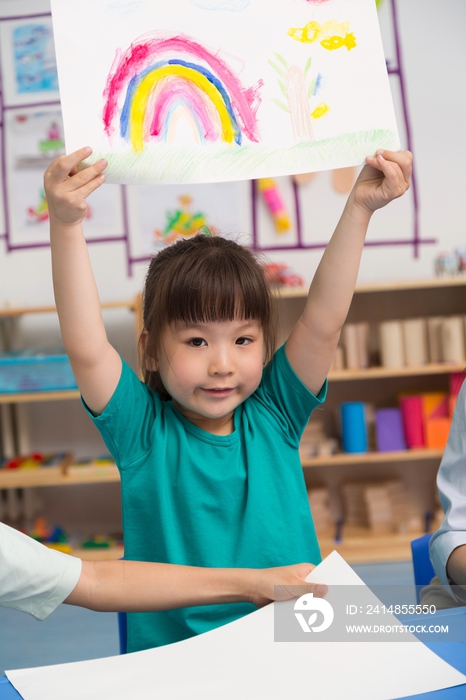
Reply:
x=29, y=371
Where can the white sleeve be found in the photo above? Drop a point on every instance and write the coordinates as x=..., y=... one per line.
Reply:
x=34, y=578
x=451, y=482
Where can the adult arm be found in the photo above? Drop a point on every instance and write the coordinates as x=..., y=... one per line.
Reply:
x=456, y=566
x=313, y=341
x=96, y=364
x=137, y=586
x=448, y=544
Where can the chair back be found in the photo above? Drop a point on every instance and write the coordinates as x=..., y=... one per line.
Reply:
x=423, y=569
x=122, y=631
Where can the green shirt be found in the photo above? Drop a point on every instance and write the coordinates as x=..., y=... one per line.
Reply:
x=191, y=497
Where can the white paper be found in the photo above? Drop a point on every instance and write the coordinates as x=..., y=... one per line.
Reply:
x=217, y=90
x=241, y=661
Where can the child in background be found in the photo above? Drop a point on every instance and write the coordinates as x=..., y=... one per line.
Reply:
x=208, y=446
x=35, y=579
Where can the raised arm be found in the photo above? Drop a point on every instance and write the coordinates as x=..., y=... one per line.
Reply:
x=96, y=364
x=137, y=586
x=313, y=341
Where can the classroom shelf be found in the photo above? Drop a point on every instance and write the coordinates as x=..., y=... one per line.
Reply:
x=361, y=546
x=430, y=283
x=98, y=554
x=53, y=476
x=347, y=375
x=6, y=312
x=343, y=458
x=36, y=396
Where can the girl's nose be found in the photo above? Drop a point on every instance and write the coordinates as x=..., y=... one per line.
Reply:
x=221, y=363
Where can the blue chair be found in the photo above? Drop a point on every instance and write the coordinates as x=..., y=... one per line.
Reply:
x=122, y=631
x=423, y=569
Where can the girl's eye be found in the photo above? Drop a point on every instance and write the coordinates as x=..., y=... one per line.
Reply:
x=197, y=342
x=243, y=341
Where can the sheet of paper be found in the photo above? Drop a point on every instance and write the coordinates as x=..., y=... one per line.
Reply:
x=241, y=660
x=217, y=90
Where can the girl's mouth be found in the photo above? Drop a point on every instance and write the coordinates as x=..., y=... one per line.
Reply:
x=218, y=393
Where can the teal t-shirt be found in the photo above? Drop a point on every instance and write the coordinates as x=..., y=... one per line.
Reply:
x=194, y=498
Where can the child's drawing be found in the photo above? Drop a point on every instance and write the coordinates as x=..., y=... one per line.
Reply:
x=183, y=223
x=187, y=91
x=148, y=93
x=298, y=91
x=34, y=56
x=331, y=35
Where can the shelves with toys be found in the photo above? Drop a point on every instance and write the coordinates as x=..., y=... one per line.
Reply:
x=37, y=470
x=430, y=358
x=38, y=378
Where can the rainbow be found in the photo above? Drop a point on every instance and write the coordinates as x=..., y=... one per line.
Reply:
x=156, y=75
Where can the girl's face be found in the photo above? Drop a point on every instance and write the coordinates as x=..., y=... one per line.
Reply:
x=210, y=368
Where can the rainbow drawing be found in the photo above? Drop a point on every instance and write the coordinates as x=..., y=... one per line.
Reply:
x=158, y=75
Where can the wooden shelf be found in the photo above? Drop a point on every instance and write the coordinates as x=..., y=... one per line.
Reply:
x=347, y=375
x=98, y=553
x=53, y=476
x=343, y=458
x=23, y=310
x=360, y=546
x=370, y=287
x=35, y=396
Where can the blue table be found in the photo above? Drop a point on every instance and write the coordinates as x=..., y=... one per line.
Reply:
x=453, y=653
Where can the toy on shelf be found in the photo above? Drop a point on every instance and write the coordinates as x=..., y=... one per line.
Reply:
x=38, y=460
x=99, y=542
x=53, y=537
x=272, y=197
x=281, y=275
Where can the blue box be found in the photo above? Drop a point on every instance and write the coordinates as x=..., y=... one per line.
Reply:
x=31, y=370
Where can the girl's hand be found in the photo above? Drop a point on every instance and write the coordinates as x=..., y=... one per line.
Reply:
x=66, y=188
x=283, y=583
x=385, y=177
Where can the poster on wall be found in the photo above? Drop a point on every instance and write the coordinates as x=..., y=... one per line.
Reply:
x=29, y=69
x=218, y=90
x=34, y=137
x=159, y=216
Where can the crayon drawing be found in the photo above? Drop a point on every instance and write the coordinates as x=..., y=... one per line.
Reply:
x=156, y=91
x=187, y=92
x=28, y=54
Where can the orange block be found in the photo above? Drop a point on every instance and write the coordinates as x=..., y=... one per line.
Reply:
x=436, y=432
x=435, y=405
x=452, y=403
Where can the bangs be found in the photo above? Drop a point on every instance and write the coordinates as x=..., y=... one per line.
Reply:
x=215, y=288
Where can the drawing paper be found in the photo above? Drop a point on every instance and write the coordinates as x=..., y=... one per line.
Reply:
x=241, y=660
x=217, y=90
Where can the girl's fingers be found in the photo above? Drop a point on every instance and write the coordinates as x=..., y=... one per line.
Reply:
x=61, y=167
x=402, y=159
x=82, y=177
x=88, y=187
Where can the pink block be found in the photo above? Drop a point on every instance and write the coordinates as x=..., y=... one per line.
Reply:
x=411, y=411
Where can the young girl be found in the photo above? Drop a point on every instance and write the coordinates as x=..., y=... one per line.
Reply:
x=208, y=446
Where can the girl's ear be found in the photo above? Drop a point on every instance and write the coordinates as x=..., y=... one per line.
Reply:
x=151, y=360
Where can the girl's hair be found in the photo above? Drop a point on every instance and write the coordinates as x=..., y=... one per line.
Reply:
x=199, y=280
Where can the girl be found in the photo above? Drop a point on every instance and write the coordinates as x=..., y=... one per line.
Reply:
x=208, y=446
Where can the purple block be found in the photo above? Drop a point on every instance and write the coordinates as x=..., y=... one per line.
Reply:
x=389, y=430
